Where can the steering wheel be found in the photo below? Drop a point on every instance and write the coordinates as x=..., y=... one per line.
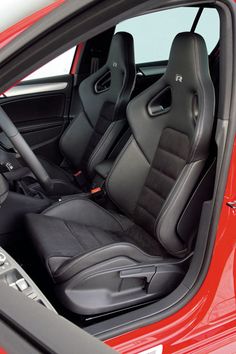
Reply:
x=26, y=152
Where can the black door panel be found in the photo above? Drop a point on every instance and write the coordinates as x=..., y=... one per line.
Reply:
x=40, y=110
x=29, y=110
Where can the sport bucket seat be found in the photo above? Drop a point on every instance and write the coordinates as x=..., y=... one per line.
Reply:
x=101, y=261
x=104, y=96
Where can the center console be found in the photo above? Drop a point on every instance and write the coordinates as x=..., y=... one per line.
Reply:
x=15, y=277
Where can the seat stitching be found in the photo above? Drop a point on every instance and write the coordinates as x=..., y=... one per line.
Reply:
x=200, y=121
x=109, y=130
x=131, y=139
x=95, y=237
x=74, y=236
x=147, y=211
x=93, y=253
x=176, y=192
x=101, y=143
x=88, y=201
x=157, y=193
x=171, y=153
x=163, y=173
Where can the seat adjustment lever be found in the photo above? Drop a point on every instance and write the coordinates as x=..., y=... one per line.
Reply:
x=147, y=273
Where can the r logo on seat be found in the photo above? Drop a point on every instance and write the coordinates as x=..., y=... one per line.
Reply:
x=178, y=78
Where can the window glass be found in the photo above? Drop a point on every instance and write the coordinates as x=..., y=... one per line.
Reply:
x=56, y=67
x=153, y=33
x=209, y=27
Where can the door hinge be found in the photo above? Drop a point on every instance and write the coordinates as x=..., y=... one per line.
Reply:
x=232, y=204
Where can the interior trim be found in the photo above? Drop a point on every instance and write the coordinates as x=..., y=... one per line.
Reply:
x=35, y=88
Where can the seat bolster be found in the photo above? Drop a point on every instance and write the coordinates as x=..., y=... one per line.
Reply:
x=124, y=184
x=100, y=152
x=166, y=231
x=84, y=211
x=125, y=250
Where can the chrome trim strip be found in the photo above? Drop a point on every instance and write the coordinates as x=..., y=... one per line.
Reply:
x=35, y=88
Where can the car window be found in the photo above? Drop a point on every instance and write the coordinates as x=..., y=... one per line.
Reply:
x=56, y=67
x=211, y=33
x=153, y=33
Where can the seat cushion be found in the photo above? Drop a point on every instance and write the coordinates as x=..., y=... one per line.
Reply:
x=67, y=247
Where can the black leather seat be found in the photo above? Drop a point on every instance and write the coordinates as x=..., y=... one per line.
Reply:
x=104, y=96
x=101, y=261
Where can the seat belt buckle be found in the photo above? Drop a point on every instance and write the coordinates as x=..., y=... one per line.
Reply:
x=96, y=190
x=78, y=173
x=80, y=179
x=97, y=194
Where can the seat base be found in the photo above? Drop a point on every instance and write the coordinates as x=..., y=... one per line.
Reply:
x=88, y=250
x=111, y=285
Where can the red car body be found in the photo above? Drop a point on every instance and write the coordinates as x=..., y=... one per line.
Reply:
x=13, y=31
x=207, y=324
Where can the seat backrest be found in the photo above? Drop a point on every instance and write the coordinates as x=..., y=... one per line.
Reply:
x=104, y=96
x=171, y=124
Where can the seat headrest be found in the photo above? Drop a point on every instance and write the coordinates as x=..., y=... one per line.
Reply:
x=188, y=59
x=121, y=51
x=182, y=99
x=188, y=75
x=113, y=82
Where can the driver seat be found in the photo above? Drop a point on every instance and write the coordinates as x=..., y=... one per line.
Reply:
x=103, y=96
x=100, y=260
